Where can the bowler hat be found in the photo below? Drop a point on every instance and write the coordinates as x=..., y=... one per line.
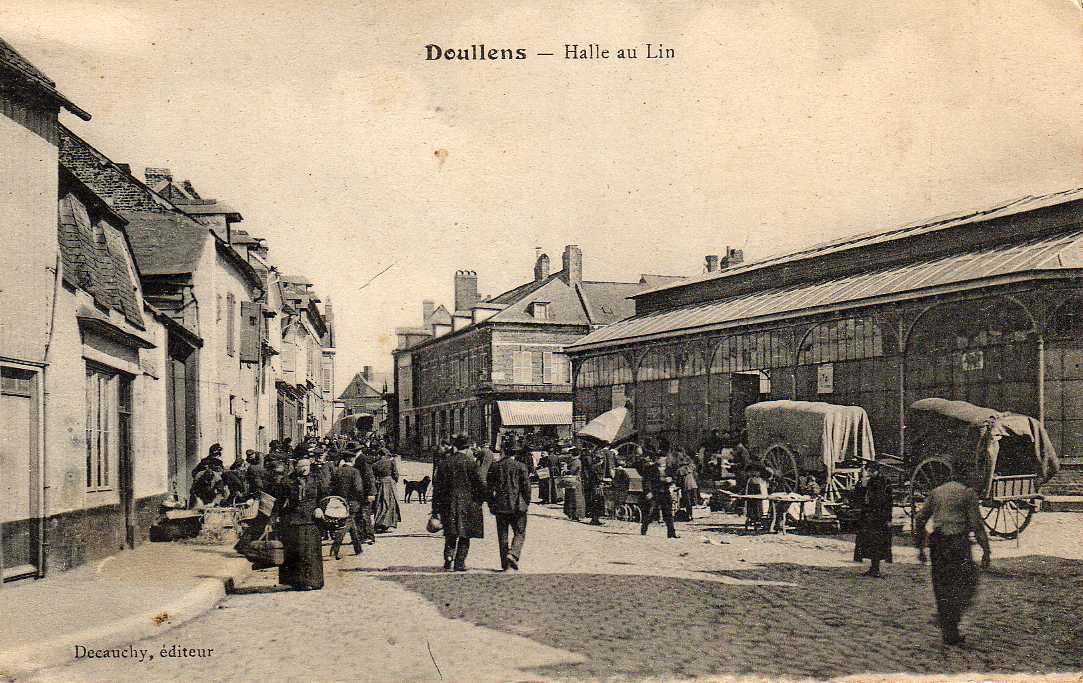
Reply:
x=460, y=441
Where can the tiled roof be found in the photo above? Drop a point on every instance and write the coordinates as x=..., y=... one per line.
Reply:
x=922, y=227
x=585, y=303
x=10, y=58
x=164, y=240
x=1056, y=252
x=94, y=260
x=165, y=243
x=650, y=280
x=359, y=387
x=609, y=301
x=208, y=207
x=108, y=180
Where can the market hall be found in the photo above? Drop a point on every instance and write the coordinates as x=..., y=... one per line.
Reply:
x=985, y=307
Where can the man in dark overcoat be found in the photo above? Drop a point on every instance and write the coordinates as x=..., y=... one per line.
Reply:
x=657, y=474
x=458, y=491
x=509, y=499
x=363, y=463
x=347, y=482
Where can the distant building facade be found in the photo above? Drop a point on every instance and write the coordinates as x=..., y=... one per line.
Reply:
x=497, y=364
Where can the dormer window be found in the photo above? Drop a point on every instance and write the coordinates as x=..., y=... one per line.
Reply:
x=539, y=310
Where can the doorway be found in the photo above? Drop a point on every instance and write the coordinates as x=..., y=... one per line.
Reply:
x=19, y=476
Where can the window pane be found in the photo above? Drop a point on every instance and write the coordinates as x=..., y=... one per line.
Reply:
x=90, y=397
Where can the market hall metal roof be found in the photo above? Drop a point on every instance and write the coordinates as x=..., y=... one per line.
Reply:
x=983, y=265
x=915, y=228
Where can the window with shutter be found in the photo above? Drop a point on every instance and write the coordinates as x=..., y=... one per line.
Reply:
x=326, y=380
x=521, y=367
x=250, y=331
x=231, y=340
x=549, y=374
x=289, y=356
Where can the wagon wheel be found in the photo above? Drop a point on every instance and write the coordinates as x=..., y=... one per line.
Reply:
x=780, y=460
x=636, y=513
x=1006, y=518
x=930, y=473
x=623, y=513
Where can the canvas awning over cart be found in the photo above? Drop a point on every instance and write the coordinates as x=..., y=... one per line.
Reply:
x=822, y=434
x=611, y=427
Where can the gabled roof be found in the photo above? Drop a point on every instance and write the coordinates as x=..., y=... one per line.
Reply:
x=94, y=257
x=21, y=66
x=441, y=316
x=583, y=303
x=164, y=240
x=359, y=387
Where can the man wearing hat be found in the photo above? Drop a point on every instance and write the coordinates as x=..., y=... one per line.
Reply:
x=214, y=453
x=363, y=464
x=347, y=482
x=658, y=474
x=509, y=491
x=457, y=494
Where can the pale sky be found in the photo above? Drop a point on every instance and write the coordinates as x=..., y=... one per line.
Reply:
x=776, y=125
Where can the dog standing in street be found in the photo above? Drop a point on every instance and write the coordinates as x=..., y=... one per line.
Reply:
x=419, y=487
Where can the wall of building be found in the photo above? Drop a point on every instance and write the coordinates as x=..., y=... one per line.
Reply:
x=28, y=191
x=984, y=346
x=227, y=386
x=542, y=344
x=83, y=525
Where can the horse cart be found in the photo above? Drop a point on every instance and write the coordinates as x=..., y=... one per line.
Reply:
x=801, y=441
x=1008, y=457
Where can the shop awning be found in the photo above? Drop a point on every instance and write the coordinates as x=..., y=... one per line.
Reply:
x=533, y=413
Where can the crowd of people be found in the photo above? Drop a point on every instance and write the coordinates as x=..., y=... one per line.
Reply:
x=305, y=493
x=295, y=483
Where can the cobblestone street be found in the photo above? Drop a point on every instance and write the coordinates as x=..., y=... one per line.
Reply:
x=598, y=602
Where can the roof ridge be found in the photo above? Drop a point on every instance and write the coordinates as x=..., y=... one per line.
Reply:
x=844, y=243
x=527, y=287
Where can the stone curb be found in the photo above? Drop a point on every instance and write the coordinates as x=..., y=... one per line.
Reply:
x=22, y=662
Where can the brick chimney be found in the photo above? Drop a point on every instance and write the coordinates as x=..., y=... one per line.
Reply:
x=466, y=290
x=427, y=308
x=733, y=257
x=573, y=264
x=366, y=372
x=541, y=268
x=154, y=176
x=711, y=262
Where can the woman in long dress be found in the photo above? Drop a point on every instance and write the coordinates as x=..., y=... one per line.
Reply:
x=298, y=496
x=873, y=498
x=575, y=504
x=387, y=504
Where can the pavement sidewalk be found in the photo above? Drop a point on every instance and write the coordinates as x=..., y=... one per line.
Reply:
x=117, y=601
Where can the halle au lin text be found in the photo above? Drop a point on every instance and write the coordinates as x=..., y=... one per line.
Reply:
x=480, y=52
